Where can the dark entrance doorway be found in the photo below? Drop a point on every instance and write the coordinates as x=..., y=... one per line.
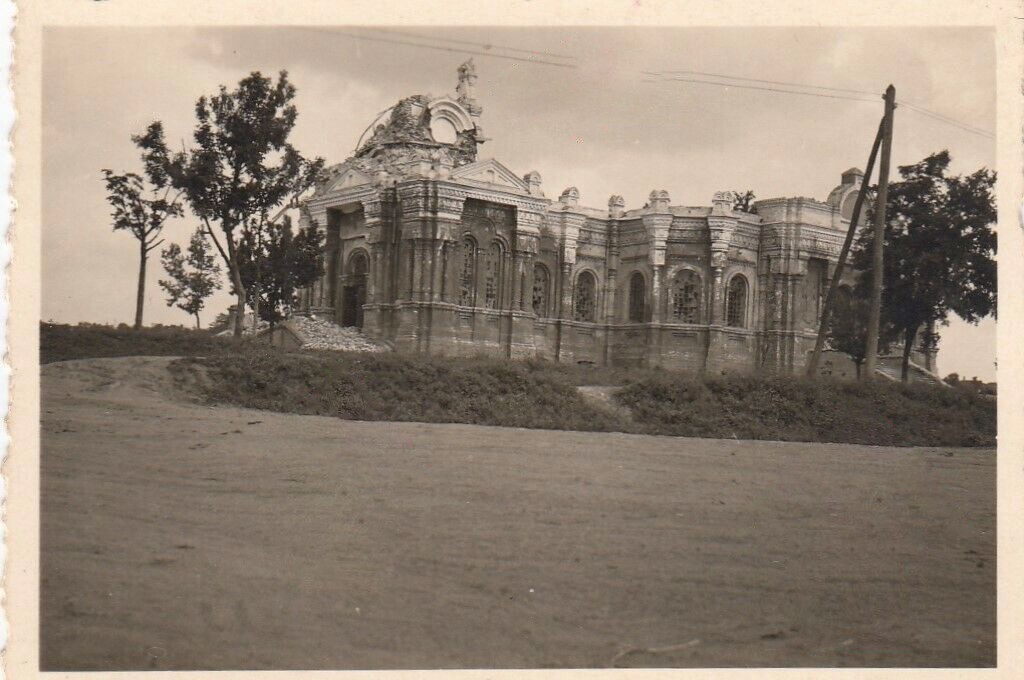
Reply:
x=353, y=292
x=353, y=299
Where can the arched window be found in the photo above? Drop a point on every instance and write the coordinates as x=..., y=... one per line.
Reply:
x=357, y=265
x=492, y=276
x=584, y=301
x=686, y=297
x=541, y=288
x=443, y=130
x=637, y=288
x=736, y=302
x=467, y=275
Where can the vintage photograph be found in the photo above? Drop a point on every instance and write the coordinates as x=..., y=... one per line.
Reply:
x=442, y=347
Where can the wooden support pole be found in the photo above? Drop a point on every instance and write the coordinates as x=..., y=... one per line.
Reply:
x=871, y=351
x=826, y=310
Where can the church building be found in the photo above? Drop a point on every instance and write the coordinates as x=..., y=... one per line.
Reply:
x=432, y=248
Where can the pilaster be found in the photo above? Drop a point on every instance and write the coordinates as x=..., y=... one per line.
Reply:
x=657, y=222
x=567, y=225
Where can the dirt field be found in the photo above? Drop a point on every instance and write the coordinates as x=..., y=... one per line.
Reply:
x=177, y=536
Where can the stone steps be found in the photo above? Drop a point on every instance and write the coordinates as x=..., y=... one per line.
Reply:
x=893, y=371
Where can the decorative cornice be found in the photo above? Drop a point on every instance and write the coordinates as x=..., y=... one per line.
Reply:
x=357, y=194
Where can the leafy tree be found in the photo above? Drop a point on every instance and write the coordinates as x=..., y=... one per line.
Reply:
x=939, y=248
x=241, y=166
x=193, y=278
x=275, y=262
x=848, y=326
x=744, y=201
x=141, y=206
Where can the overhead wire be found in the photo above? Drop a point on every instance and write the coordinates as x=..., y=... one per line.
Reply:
x=664, y=76
x=766, y=89
x=824, y=91
x=951, y=121
x=443, y=48
x=486, y=46
x=770, y=82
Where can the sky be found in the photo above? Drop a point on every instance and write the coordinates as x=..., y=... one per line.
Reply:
x=600, y=126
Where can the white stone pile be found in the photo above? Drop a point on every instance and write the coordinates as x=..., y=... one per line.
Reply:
x=320, y=333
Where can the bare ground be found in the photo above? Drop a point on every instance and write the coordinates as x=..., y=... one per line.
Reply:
x=178, y=536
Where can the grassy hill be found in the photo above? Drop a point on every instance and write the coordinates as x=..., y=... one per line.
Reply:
x=539, y=394
x=791, y=408
x=61, y=342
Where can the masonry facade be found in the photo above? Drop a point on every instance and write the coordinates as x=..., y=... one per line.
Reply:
x=433, y=249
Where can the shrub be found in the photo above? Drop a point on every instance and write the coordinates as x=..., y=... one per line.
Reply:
x=797, y=409
x=374, y=386
x=542, y=394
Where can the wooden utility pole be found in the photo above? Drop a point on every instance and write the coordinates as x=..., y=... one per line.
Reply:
x=871, y=351
x=826, y=310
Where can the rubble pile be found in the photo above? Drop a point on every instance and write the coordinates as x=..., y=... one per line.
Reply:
x=319, y=333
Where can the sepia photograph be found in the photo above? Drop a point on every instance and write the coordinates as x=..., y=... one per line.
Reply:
x=516, y=347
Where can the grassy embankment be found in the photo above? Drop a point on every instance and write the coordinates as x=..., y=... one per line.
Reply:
x=62, y=342
x=537, y=394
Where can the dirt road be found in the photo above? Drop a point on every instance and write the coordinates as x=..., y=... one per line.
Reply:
x=177, y=536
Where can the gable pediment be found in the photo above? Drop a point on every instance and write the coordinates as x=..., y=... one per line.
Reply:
x=490, y=172
x=350, y=177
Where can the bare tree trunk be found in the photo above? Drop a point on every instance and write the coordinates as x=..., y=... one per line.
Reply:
x=857, y=365
x=197, y=321
x=236, y=278
x=240, y=315
x=256, y=307
x=141, y=293
x=910, y=334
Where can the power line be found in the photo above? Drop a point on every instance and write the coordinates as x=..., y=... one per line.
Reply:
x=949, y=121
x=486, y=46
x=945, y=119
x=914, y=107
x=457, y=50
x=765, y=89
x=772, y=82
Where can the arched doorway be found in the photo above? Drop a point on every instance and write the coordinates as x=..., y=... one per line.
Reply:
x=354, y=290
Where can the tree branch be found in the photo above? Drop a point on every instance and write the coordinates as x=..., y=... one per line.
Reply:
x=220, y=249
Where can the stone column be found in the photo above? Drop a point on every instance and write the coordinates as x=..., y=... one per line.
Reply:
x=616, y=208
x=510, y=279
x=526, y=292
x=721, y=225
x=439, y=264
x=447, y=229
x=657, y=293
x=516, y=270
x=565, y=310
x=376, y=290
x=416, y=273
x=610, y=297
x=716, y=315
x=657, y=223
